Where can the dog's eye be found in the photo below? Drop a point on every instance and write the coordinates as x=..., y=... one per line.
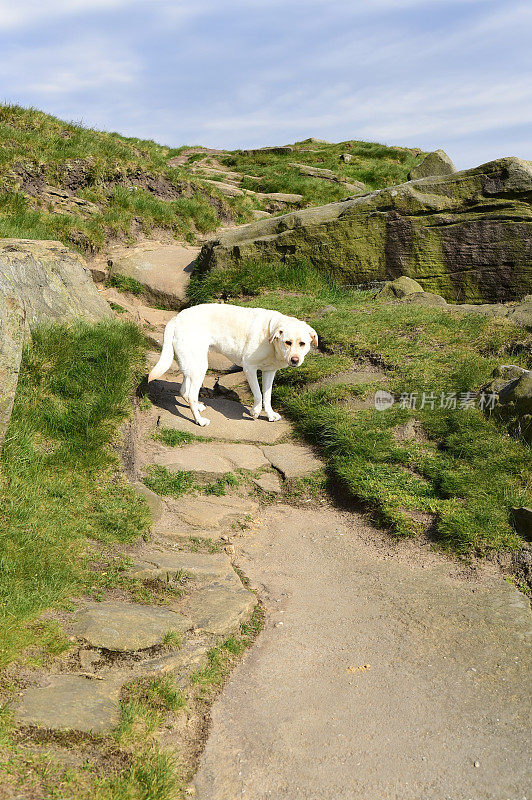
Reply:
x=301, y=344
x=289, y=344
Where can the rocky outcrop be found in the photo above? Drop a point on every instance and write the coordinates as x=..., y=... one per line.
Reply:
x=466, y=236
x=436, y=163
x=511, y=390
x=39, y=280
x=49, y=280
x=328, y=175
x=159, y=271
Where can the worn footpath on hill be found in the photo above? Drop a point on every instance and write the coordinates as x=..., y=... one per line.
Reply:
x=384, y=670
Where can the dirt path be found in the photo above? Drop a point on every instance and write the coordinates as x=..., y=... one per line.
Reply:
x=380, y=674
x=384, y=672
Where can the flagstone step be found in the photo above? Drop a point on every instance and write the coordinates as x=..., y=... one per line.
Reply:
x=122, y=627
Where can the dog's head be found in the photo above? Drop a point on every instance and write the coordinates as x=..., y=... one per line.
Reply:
x=292, y=339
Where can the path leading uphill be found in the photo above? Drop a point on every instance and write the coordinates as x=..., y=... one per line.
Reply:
x=384, y=671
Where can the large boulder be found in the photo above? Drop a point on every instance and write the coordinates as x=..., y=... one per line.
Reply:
x=49, y=280
x=436, y=163
x=39, y=280
x=466, y=236
x=400, y=287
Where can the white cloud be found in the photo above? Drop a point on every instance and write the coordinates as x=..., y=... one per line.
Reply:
x=27, y=13
x=85, y=64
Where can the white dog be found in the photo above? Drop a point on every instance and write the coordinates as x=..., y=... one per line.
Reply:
x=254, y=338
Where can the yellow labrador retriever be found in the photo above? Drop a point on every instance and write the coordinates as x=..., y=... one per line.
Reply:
x=254, y=338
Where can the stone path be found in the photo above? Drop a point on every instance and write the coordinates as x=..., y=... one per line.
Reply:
x=382, y=672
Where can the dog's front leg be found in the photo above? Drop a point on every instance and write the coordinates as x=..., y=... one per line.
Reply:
x=267, y=383
x=251, y=375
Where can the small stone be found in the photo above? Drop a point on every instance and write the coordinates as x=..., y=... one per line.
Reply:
x=477, y=764
x=269, y=482
x=292, y=461
x=220, y=609
x=87, y=659
x=154, y=501
x=127, y=626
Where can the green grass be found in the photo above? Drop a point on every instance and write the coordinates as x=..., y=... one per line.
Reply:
x=62, y=497
x=222, y=658
x=465, y=473
x=376, y=165
x=175, y=438
x=252, y=278
x=169, y=484
x=133, y=189
x=126, y=284
x=175, y=484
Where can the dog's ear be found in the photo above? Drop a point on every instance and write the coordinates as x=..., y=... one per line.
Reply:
x=313, y=336
x=274, y=331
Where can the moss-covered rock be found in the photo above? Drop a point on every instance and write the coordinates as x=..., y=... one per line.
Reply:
x=436, y=163
x=466, y=236
x=400, y=287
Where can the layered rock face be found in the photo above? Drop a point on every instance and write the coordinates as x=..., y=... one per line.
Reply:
x=49, y=280
x=465, y=235
x=39, y=280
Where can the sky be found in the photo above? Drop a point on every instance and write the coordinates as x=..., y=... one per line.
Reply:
x=451, y=74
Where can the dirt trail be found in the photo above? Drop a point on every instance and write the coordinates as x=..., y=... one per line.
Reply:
x=381, y=674
x=385, y=671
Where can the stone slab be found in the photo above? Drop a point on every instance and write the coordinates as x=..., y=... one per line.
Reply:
x=125, y=627
x=214, y=458
x=242, y=456
x=201, y=459
x=163, y=270
x=71, y=702
x=167, y=565
x=229, y=420
x=220, y=610
x=269, y=482
x=212, y=512
x=12, y=326
x=292, y=460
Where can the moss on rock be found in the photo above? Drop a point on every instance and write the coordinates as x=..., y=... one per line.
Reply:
x=466, y=236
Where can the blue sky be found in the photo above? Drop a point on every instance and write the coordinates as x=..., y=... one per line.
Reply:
x=455, y=74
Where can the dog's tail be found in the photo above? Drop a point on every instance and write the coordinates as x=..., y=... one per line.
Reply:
x=167, y=355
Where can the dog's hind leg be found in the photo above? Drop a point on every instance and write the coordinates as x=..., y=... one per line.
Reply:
x=194, y=380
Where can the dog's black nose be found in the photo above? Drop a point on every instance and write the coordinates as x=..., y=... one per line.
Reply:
x=294, y=360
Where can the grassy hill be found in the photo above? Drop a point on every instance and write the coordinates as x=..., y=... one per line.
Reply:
x=85, y=187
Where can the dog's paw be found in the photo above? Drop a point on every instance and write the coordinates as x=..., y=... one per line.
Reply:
x=201, y=406
x=255, y=411
x=274, y=416
x=203, y=421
